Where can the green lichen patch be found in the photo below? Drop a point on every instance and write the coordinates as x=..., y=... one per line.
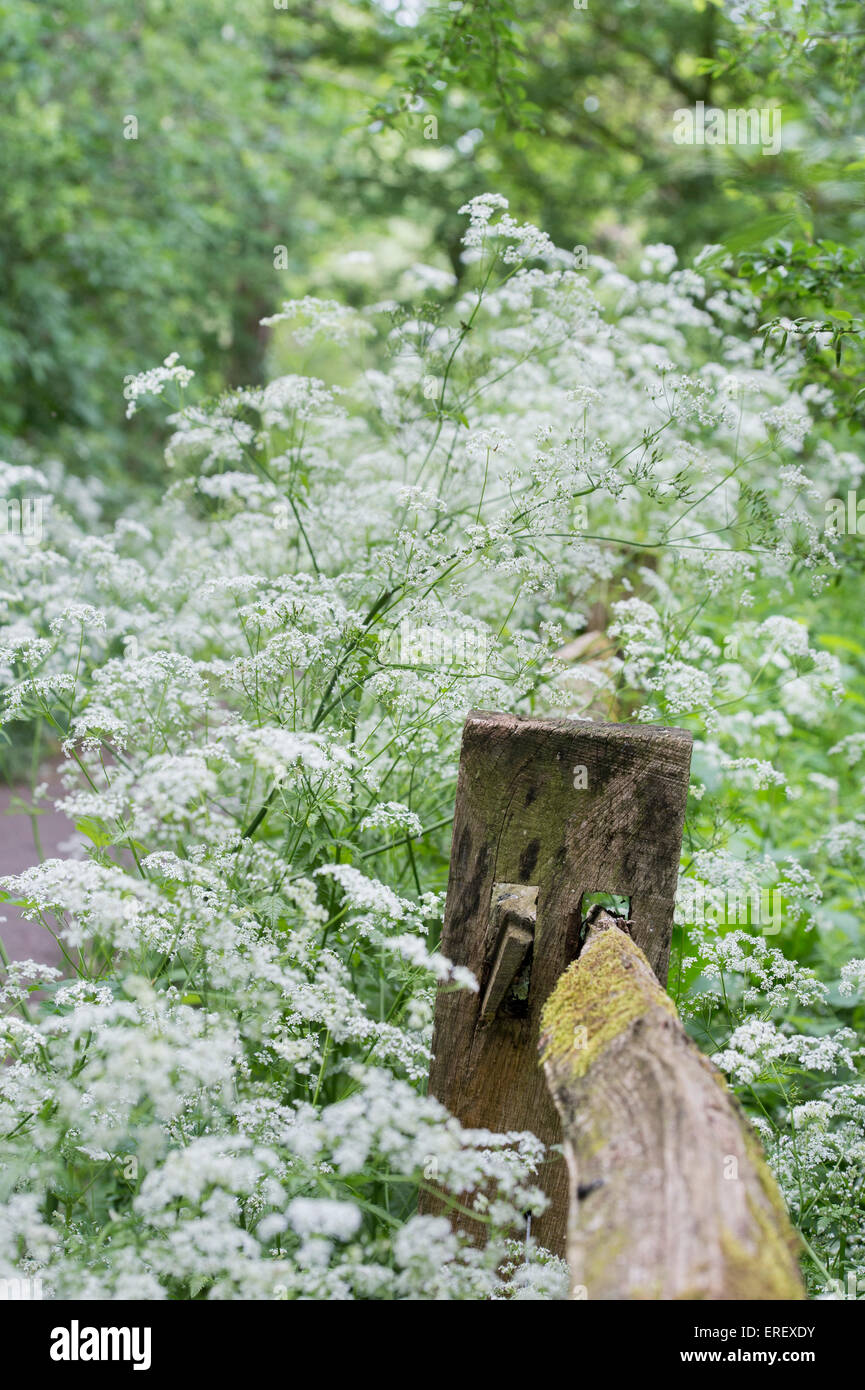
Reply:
x=779, y=1236
x=767, y=1273
x=596, y=999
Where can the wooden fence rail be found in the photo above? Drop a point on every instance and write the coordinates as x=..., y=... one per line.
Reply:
x=663, y=1191
x=669, y=1194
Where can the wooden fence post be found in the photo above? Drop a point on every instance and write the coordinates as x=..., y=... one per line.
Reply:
x=548, y=812
x=670, y=1196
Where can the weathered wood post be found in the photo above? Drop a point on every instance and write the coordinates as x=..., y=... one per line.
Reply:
x=665, y=1193
x=548, y=812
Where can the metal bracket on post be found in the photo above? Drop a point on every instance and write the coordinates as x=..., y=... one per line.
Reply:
x=548, y=812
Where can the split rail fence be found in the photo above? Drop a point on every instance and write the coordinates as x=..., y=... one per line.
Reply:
x=566, y=844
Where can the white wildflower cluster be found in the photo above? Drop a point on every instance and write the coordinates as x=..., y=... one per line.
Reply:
x=755, y=772
x=392, y=815
x=527, y=242
x=758, y=1050
x=769, y=979
x=154, y=381
x=852, y=978
x=852, y=747
x=311, y=318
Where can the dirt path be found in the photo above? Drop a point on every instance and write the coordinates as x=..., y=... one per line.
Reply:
x=27, y=940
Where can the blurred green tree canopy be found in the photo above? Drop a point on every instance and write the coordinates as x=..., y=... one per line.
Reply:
x=173, y=169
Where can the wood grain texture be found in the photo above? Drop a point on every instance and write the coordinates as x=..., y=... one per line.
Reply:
x=670, y=1196
x=519, y=819
x=515, y=910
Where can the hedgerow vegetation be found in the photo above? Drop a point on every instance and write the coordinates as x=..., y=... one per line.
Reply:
x=588, y=444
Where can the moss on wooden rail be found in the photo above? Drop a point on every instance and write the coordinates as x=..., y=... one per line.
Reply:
x=602, y=998
x=670, y=1194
